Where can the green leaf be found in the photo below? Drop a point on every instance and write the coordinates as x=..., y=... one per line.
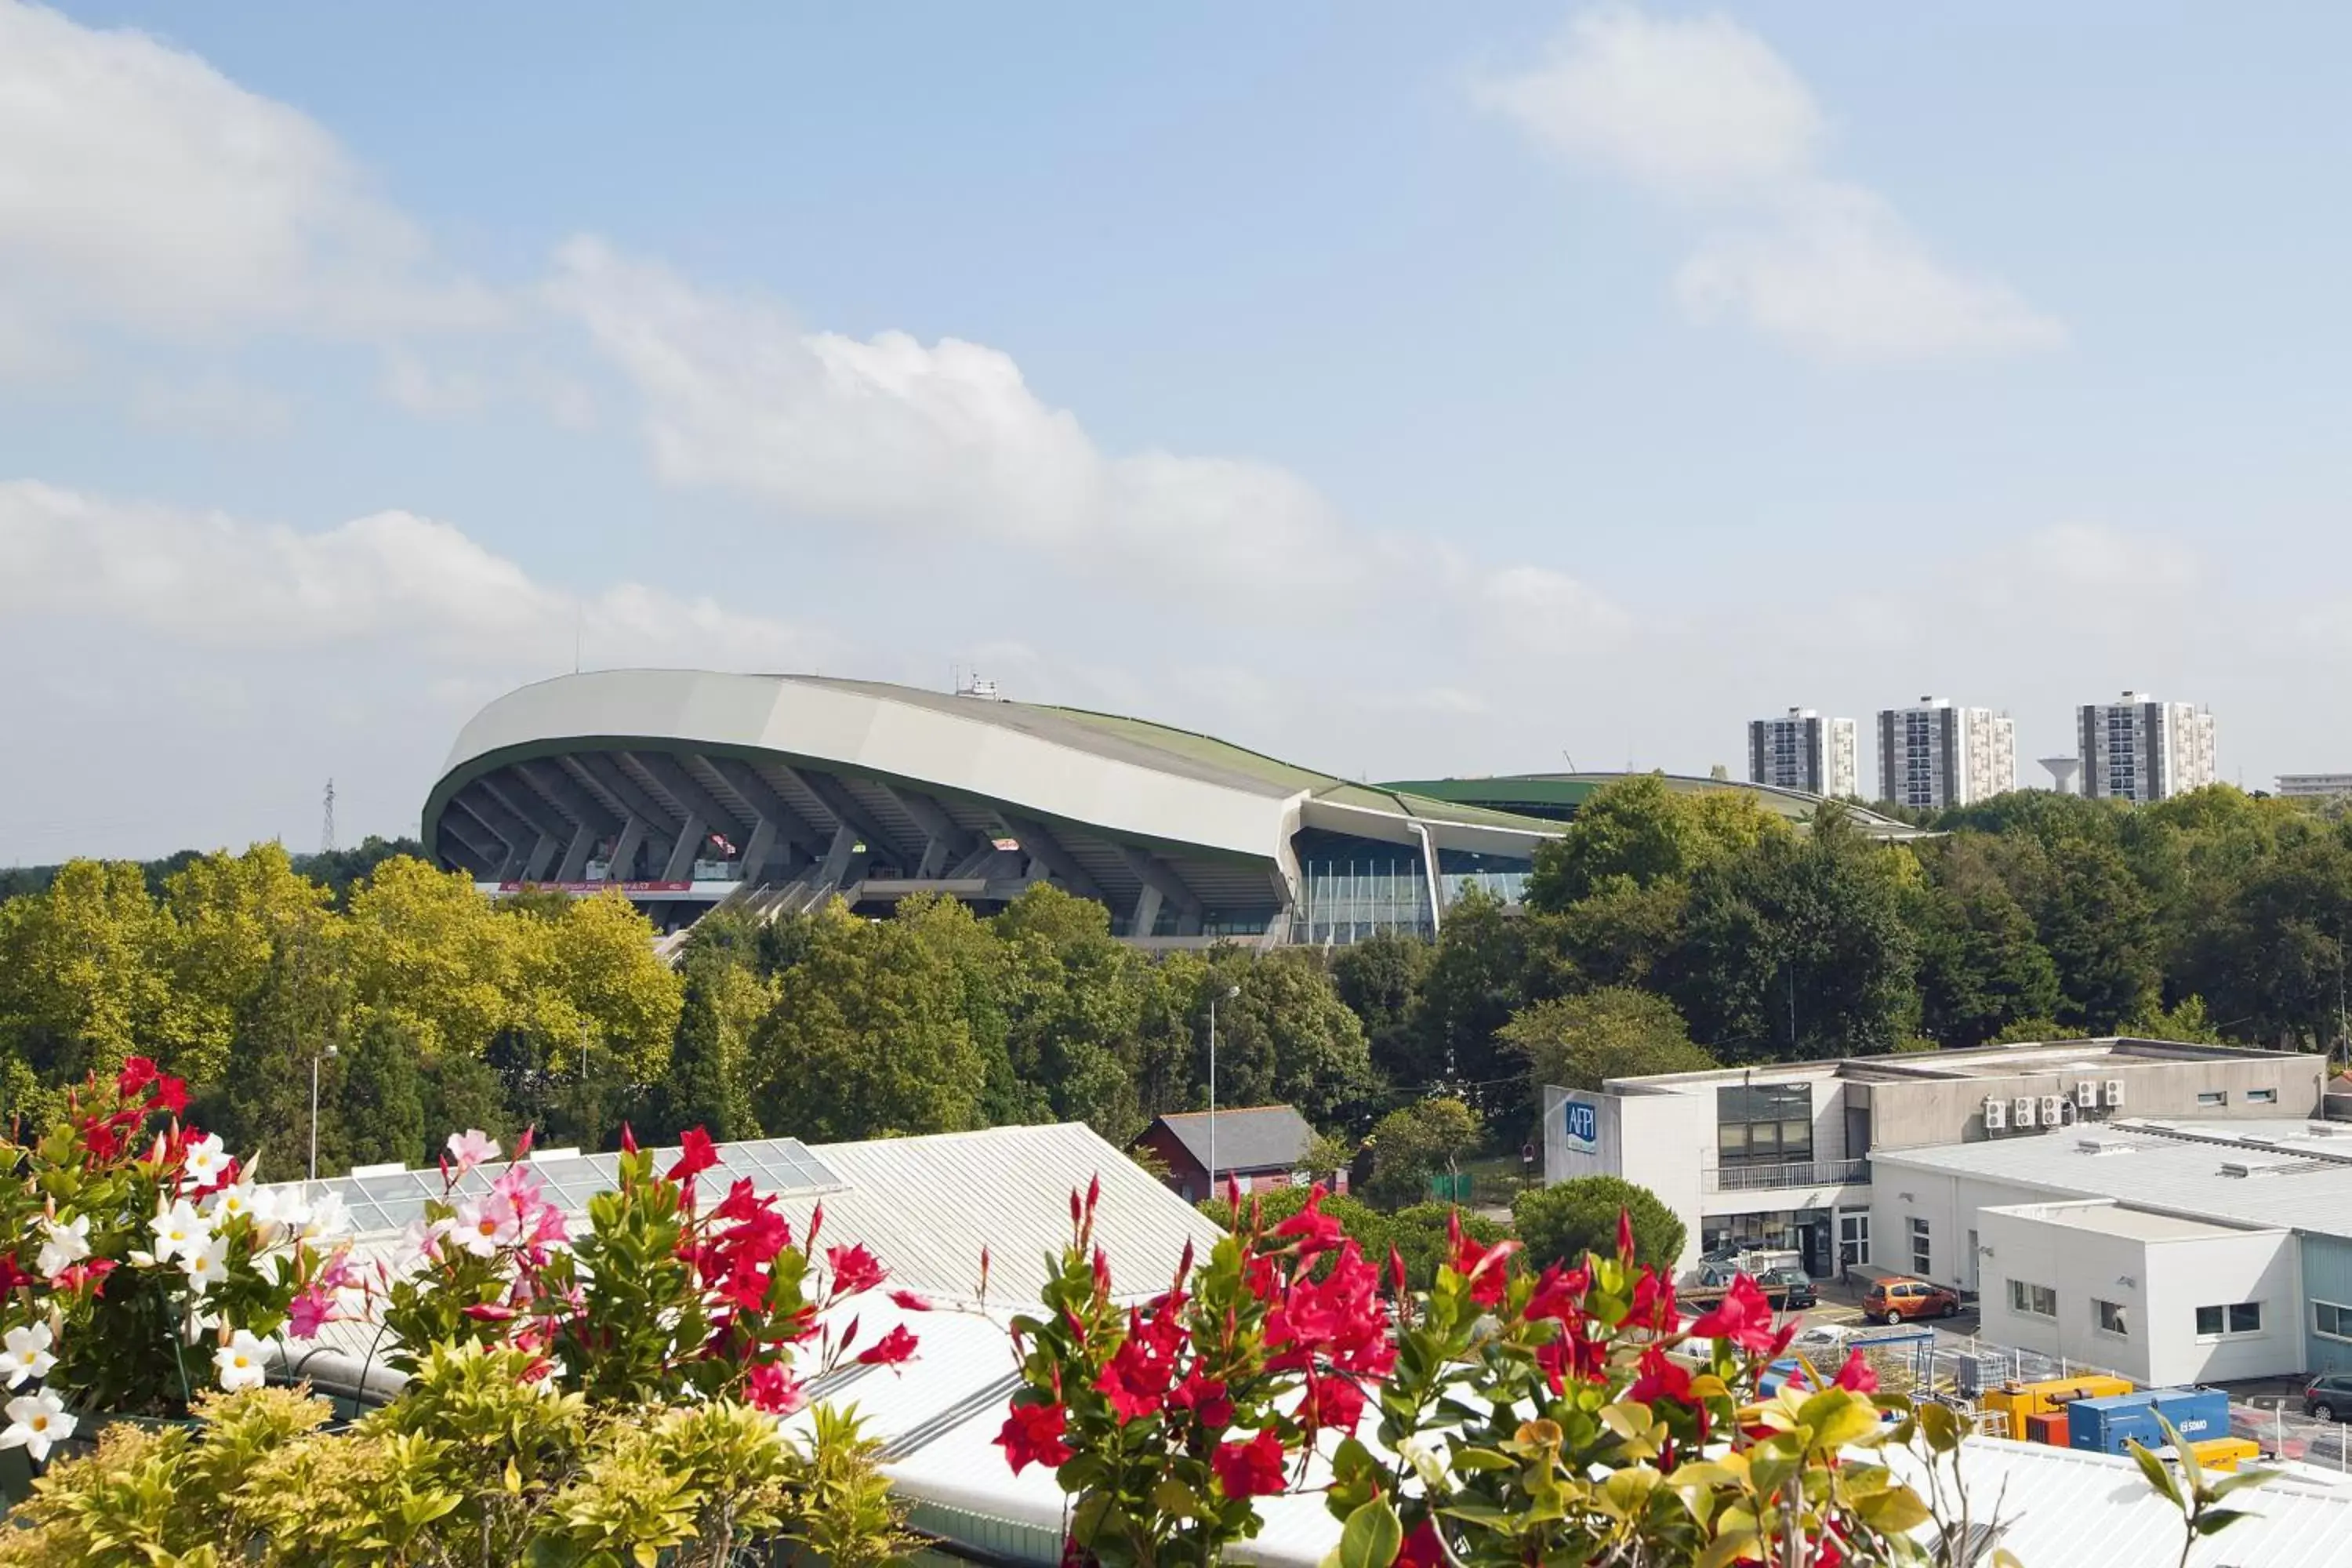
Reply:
x=1941, y=1426
x=1371, y=1537
x=2159, y=1476
x=2212, y=1521
x=1172, y=1496
x=1894, y=1511
x=1482, y=1459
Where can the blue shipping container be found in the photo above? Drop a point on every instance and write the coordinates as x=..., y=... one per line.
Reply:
x=2104, y=1424
x=2199, y=1415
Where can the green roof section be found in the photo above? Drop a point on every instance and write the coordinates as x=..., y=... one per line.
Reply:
x=1555, y=796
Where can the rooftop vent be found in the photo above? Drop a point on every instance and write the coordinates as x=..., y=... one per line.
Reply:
x=2102, y=1145
x=2242, y=1168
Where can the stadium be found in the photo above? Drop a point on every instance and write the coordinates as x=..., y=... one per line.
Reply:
x=689, y=790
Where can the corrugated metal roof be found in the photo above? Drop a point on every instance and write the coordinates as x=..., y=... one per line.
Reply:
x=925, y=1206
x=2152, y=1171
x=1253, y=1138
x=2068, y=1507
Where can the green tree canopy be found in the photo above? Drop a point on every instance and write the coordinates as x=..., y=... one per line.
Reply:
x=1562, y=1223
x=1581, y=1042
x=1415, y=1142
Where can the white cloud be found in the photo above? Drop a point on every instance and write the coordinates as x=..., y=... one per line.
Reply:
x=212, y=404
x=1700, y=107
x=1538, y=609
x=946, y=439
x=1701, y=111
x=207, y=580
x=140, y=187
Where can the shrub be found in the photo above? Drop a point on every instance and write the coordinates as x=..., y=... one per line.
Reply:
x=1561, y=1224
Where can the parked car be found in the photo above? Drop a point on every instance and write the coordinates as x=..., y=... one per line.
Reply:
x=2329, y=1397
x=1784, y=1289
x=1894, y=1299
x=1790, y=1288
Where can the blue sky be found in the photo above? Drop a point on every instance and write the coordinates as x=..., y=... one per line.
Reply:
x=1399, y=389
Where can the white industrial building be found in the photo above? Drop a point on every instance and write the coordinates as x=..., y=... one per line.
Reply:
x=2171, y=1249
x=2139, y=749
x=1789, y=1155
x=1804, y=751
x=1934, y=754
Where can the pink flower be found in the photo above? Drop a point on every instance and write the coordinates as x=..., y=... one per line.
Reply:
x=853, y=1269
x=893, y=1349
x=471, y=1147
x=908, y=1301
x=769, y=1387
x=309, y=1311
x=485, y=1225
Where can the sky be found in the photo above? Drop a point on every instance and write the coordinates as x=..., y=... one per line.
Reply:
x=1400, y=390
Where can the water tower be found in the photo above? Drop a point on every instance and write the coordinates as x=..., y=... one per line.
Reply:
x=2062, y=773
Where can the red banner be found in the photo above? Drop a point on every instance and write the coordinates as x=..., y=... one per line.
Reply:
x=595, y=886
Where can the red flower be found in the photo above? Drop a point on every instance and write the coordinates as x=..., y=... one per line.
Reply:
x=490, y=1312
x=908, y=1301
x=1856, y=1376
x=12, y=1276
x=745, y=1288
x=91, y=1274
x=1250, y=1469
x=1333, y=1401
x=1421, y=1548
x=1559, y=1293
x=1743, y=1317
x=743, y=1201
x=1317, y=1232
x=694, y=1155
x=1662, y=1377
x=1653, y=1302
x=1032, y=1435
x=629, y=1139
x=894, y=1349
x=170, y=1096
x=1625, y=1235
x=1206, y=1398
x=1136, y=1378
x=855, y=1269
x=1485, y=1267
x=769, y=1387
x=137, y=1073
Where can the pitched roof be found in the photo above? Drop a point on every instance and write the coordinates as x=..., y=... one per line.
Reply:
x=1254, y=1138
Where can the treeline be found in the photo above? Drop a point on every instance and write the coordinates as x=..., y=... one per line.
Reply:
x=1663, y=931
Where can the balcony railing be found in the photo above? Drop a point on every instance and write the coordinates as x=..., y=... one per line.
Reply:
x=1763, y=1178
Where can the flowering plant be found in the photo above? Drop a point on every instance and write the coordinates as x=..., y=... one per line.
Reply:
x=143, y=1263
x=1166, y=1417
x=1563, y=1417
x=662, y=1298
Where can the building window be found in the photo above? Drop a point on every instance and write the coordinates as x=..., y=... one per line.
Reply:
x=2331, y=1321
x=1764, y=1124
x=2212, y=1097
x=2236, y=1320
x=1853, y=1239
x=2261, y=1096
x=2032, y=1301
x=1921, y=1255
x=2109, y=1317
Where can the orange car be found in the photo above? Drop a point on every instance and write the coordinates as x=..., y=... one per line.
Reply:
x=1893, y=1299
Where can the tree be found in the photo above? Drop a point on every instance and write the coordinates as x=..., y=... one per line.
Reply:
x=1982, y=965
x=708, y=1083
x=1378, y=978
x=1078, y=1008
x=1415, y=1142
x=1286, y=1039
x=1581, y=1042
x=382, y=1095
x=1799, y=949
x=1641, y=831
x=867, y=1039
x=462, y=1092
x=2098, y=925
x=1562, y=1223
x=85, y=978
x=1477, y=979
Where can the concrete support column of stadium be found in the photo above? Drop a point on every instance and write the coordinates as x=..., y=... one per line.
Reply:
x=689, y=790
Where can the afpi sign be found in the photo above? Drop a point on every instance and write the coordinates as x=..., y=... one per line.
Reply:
x=1581, y=1122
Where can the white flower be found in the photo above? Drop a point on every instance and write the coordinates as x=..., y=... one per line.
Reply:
x=229, y=1202
x=205, y=1265
x=324, y=1219
x=208, y=1157
x=27, y=1354
x=36, y=1421
x=239, y=1361
x=178, y=1229
x=66, y=1245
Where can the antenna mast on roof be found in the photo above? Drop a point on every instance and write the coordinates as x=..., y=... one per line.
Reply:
x=1569, y=760
x=327, y=827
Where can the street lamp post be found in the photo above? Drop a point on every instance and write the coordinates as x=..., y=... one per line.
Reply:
x=324, y=1052
x=1229, y=993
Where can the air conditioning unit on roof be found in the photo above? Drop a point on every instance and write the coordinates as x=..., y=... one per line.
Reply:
x=2115, y=1093
x=2053, y=1110
x=2086, y=1095
x=1996, y=1114
x=2025, y=1110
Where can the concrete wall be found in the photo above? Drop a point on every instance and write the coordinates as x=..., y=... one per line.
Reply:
x=1950, y=1204
x=1922, y=1114
x=2160, y=1282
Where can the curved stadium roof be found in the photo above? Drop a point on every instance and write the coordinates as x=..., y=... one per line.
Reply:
x=814, y=786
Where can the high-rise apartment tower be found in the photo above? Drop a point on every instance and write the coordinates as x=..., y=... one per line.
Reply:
x=1804, y=752
x=1934, y=754
x=2139, y=749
